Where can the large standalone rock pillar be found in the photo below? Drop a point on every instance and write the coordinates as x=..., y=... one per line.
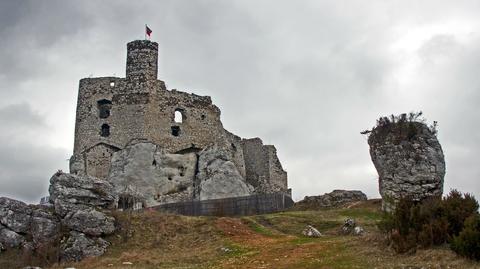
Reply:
x=409, y=161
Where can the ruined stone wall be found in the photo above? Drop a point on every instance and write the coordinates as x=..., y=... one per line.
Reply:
x=235, y=147
x=263, y=168
x=113, y=113
x=278, y=176
x=141, y=108
x=200, y=126
x=256, y=162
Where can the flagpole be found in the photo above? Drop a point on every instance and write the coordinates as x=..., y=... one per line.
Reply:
x=145, y=31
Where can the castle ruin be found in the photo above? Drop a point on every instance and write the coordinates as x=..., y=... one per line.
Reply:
x=150, y=141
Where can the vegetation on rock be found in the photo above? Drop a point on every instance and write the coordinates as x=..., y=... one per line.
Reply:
x=405, y=126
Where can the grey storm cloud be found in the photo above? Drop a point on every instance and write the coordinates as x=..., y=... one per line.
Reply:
x=306, y=76
x=24, y=165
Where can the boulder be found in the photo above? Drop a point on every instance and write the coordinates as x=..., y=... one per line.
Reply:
x=90, y=222
x=45, y=226
x=409, y=161
x=348, y=226
x=11, y=239
x=310, y=231
x=358, y=230
x=70, y=193
x=335, y=198
x=218, y=177
x=79, y=246
x=144, y=174
x=15, y=215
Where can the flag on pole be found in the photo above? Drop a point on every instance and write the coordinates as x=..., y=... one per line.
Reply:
x=148, y=31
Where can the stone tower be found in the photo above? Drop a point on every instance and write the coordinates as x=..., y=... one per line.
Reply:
x=142, y=60
x=114, y=112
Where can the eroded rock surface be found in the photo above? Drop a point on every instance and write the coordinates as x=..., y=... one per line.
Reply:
x=70, y=192
x=409, y=161
x=78, y=202
x=90, y=222
x=45, y=225
x=79, y=246
x=151, y=176
x=9, y=238
x=333, y=199
x=146, y=174
x=218, y=176
x=15, y=215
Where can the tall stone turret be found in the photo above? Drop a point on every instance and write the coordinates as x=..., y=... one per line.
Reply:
x=142, y=60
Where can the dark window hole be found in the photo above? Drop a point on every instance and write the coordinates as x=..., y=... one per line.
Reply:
x=104, y=107
x=105, y=130
x=175, y=130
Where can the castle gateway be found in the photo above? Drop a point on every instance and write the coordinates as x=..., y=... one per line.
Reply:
x=163, y=146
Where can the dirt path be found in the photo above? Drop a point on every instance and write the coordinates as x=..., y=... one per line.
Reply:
x=279, y=251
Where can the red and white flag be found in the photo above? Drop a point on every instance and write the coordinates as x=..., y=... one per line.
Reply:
x=148, y=31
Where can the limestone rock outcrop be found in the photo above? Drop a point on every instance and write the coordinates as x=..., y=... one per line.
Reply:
x=77, y=204
x=90, y=222
x=19, y=221
x=70, y=193
x=409, y=160
x=218, y=176
x=78, y=246
x=144, y=174
x=45, y=225
x=9, y=238
x=15, y=215
x=335, y=198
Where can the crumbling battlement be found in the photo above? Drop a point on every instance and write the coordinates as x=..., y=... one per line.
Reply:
x=114, y=112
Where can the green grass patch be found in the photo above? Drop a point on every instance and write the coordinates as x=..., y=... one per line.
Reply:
x=335, y=254
x=234, y=250
x=294, y=223
x=258, y=228
x=361, y=214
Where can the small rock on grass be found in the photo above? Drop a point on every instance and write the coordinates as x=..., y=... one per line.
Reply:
x=311, y=231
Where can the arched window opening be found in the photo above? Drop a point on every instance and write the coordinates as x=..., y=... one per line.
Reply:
x=104, y=107
x=179, y=116
x=105, y=130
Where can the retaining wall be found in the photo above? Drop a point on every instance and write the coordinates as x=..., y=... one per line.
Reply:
x=236, y=206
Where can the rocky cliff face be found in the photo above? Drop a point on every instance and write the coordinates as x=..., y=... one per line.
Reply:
x=144, y=175
x=409, y=161
x=76, y=218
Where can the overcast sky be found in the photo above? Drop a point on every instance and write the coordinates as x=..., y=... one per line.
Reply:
x=306, y=76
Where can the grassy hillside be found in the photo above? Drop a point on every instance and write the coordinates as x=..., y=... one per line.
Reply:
x=154, y=240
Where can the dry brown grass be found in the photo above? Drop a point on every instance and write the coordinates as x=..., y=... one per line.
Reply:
x=155, y=240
